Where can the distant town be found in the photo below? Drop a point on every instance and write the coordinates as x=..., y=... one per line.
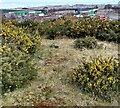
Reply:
x=57, y=11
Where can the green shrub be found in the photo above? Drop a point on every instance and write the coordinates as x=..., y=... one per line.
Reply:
x=88, y=42
x=17, y=51
x=30, y=27
x=105, y=29
x=110, y=35
x=17, y=68
x=58, y=28
x=27, y=23
x=24, y=41
x=100, y=77
x=79, y=28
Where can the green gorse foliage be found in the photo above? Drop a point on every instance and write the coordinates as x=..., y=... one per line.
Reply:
x=99, y=77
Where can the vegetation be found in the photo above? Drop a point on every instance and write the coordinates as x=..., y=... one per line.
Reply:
x=88, y=42
x=100, y=76
x=104, y=30
x=101, y=29
x=17, y=49
x=23, y=53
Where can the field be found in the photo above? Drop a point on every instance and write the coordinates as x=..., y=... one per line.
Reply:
x=54, y=68
x=64, y=62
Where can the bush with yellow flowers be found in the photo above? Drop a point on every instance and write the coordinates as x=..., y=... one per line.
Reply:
x=24, y=41
x=30, y=26
x=105, y=29
x=76, y=28
x=100, y=29
x=59, y=28
x=17, y=51
x=99, y=77
x=108, y=30
x=17, y=68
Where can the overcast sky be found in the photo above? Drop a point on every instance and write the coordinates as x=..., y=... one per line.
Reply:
x=28, y=3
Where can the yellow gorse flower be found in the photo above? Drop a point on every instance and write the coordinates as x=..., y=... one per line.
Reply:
x=110, y=78
x=100, y=74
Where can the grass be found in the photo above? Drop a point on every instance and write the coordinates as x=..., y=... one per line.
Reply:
x=53, y=86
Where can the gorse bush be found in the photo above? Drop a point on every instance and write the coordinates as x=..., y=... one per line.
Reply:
x=57, y=28
x=88, y=42
x=27, y=23
x=24, y=42
x=30, y=27
x=95, y=27
x=17, y=68
x=105, y=30
x=100, y=77
x=17, y=50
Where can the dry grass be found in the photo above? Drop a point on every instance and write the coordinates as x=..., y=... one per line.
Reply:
x=52, y=83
